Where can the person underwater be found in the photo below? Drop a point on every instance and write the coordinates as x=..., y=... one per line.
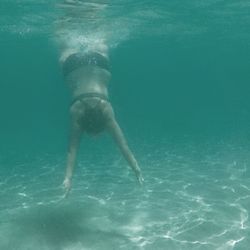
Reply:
x=88, y=75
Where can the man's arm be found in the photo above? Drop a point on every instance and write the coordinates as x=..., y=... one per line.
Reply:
x=75, y=136
x=120, y=140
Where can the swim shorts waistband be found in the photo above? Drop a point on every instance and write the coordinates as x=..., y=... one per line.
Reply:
x=89, y=95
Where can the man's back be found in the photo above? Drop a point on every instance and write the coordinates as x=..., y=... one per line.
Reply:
x=87, y=73
x=88, y=79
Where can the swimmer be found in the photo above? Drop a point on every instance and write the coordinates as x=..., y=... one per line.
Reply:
x=88, y=75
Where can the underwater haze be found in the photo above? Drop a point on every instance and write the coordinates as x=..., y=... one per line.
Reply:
x=180, y=89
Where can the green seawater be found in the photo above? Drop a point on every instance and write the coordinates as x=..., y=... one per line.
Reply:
x=180, y=91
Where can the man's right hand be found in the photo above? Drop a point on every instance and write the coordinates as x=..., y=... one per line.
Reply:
x=139, y=175
x=66, y=186
x=140, y=179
